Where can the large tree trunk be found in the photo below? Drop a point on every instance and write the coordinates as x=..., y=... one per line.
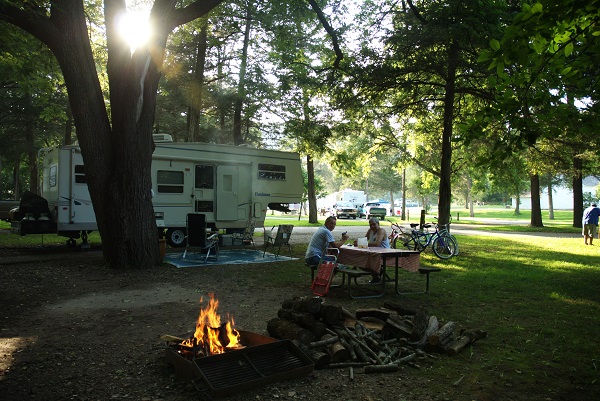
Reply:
x=445, y=194
x=536, y=210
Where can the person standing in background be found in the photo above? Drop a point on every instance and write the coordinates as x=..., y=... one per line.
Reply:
x=590, y=223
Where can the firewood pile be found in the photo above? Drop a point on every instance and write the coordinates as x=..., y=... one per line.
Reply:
x=376, y=340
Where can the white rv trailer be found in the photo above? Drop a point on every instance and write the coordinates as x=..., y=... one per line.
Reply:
x=229, y=184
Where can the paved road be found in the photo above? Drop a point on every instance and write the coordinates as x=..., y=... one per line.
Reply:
x=302, y=235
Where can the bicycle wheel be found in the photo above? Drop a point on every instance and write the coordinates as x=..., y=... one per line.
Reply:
x=455, y=243
x=443, y=247
x=409, y=243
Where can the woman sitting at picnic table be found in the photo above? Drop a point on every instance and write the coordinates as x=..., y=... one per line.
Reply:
x=376, y=237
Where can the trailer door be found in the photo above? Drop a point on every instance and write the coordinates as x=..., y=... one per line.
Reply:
x=227, y=193
x=81, y=211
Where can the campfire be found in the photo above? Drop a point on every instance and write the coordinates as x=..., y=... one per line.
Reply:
x=212, y=337
x=221, y=360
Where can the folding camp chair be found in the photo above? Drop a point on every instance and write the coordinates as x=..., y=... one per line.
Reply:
x=279, y=239
x=325, y=271
x=246, y=238
x=196, y=236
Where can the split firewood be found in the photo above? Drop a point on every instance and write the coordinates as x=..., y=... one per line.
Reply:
x=396, y=327
x=284, y=329
x=442, y=333
x=420, y=323
x=464, y=340
x=432, y=326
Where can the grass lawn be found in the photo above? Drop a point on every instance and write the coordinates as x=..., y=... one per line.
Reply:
x=537, y=297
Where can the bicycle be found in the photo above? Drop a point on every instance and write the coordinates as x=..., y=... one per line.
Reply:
x=445, y=230
x=443, y=245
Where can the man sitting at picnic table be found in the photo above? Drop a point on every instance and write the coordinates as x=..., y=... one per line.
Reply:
x=321, y=240
x=376, y=237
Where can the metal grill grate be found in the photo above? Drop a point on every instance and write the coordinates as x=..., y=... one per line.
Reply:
x=244, y=369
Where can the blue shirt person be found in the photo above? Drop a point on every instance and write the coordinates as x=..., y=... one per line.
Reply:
x=590, y=223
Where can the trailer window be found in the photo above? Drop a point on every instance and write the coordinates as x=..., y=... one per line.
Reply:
x=169, y=182
x=80, y=174
x=271, y=171
x=52, y=179
x=205, y=177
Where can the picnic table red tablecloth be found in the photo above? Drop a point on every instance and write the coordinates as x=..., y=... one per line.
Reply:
x=372, y=258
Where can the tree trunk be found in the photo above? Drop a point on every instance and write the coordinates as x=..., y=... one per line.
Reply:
x=31, y=157
x=403, y=194
x=550, y=200
x=445, y=193
x=238, y=138
x=536, y=210
x=197, y=88
x=311, y=193
x=577, y=192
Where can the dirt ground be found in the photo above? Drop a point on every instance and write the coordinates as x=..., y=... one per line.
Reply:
x=73, y=329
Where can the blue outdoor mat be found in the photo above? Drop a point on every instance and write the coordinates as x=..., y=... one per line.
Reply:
x=226, y=257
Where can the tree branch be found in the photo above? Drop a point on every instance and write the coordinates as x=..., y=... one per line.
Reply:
x=336, y=47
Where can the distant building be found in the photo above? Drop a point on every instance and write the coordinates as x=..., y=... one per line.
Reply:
x=562, y=197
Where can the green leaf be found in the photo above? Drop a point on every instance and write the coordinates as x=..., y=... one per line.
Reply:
x=566, y=70
x=537, y=8
x=495, y=44
x=569, y=49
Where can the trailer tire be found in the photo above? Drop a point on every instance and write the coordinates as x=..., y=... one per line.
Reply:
x=176, y=237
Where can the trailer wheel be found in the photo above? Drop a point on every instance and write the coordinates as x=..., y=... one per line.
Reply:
x=176, y=237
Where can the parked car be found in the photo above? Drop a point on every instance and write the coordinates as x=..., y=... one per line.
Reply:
x=345, y=209
x=373, y=209
x=5, y=207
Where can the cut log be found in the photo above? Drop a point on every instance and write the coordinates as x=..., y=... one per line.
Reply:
x=396, y=327
x=443, y=332
x=331, y=315
x=336, y=350
x=464, y=340
x=381, y=368
x=432, y=326
x=320, y=359
x=420, y=323
x=284, y=329
x=304, y=319
x=303, y=304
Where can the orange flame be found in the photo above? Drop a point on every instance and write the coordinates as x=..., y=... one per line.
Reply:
x=208, y=330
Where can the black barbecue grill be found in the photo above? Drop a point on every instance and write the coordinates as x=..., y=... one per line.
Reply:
x=264, y=360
